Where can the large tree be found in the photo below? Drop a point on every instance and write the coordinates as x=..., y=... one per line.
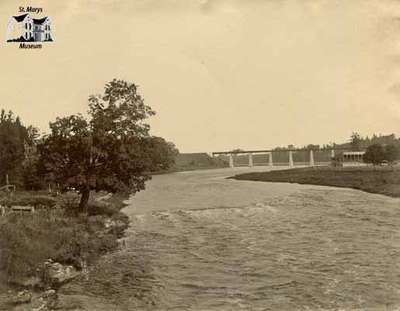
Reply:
x=108, y=150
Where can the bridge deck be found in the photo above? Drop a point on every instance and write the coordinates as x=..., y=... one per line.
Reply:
x=273, y=150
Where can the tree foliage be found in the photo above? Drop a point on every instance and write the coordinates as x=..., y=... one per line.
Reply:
x=374, y=154
x=14, y=137
x=356, y=141
x=392, y=153
x=160, y=153
x=109, y=150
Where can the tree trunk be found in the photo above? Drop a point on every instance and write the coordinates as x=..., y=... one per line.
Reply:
x=84, y=199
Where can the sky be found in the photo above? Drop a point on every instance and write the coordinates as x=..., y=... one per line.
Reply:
x=221, y=74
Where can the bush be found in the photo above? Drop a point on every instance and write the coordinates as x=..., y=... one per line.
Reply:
x=118, y=200
x=69, y=202
x=101, y=208
x=100, y=205
x=123, y=223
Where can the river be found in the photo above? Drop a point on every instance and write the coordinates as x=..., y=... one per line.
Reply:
x=199, y=241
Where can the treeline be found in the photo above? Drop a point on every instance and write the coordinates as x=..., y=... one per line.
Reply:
x=356, y=142
x=377, y=154
x=16, y=144
x=109, y=150
x=22, y=160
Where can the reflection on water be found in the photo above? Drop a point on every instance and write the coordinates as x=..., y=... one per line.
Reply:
x=202, y=242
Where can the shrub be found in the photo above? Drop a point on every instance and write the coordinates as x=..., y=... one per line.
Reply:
x=118, y=200
x=69, y=202
x=101, y=208
x=123, y=223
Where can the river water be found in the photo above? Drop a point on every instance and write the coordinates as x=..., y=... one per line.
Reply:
x=199, y=241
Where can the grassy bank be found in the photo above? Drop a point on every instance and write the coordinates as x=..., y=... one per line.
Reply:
x=196, y=161
x=55, y=231
x=381, y=180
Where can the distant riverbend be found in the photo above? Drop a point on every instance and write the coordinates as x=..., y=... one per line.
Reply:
x=380, y=180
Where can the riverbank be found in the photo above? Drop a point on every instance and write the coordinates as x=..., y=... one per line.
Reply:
x=196, y=161
x=44, y=250
x=380, y=180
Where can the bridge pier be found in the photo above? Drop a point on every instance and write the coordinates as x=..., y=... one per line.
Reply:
x=311, y=158
x=270, y=159
x=231, y=164
x=250, y=160
x=291, y=164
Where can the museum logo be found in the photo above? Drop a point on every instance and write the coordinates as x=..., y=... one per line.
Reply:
x=28, y=29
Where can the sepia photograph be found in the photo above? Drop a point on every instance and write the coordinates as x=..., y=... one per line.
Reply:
x=200, y=155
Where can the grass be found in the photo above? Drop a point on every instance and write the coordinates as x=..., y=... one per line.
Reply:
x=196, y=161
x=381, y=180
x=27, y=240
x=36, y=199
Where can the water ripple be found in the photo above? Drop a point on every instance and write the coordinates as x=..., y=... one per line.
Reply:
x=308, y=248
